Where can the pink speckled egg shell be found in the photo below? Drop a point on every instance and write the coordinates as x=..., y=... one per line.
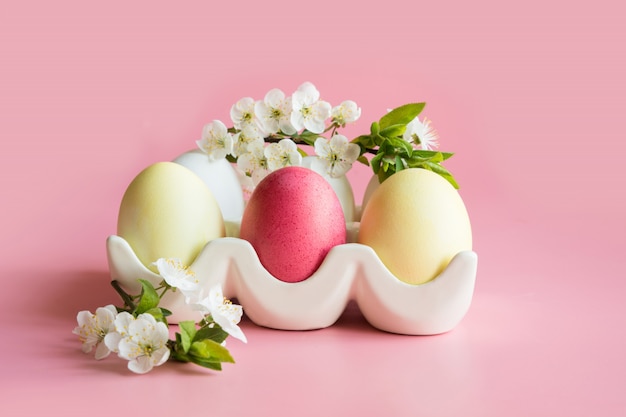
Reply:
x=292, y=220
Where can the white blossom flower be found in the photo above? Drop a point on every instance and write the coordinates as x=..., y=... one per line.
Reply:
x=178, y=275
x=242, y=114
x=274, y=112
x=223, y=311
x=421, y=134
x=282, y=154
x=308, y=111
x=216, y=141
x=142, y=341
x=253, y=163
x=249, y=134
x=93, y=328
x=346, y=112
x=335, y=156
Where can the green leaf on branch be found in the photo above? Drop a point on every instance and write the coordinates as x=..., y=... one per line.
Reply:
x=393, y=131
x=438, y=169
x=428, y=154
x=187, y=334
x=383, y=175
x=362, y=159
x=149, y=298
x=402, y=145
x=401, y=115
x=399, y=163
x=365, y=142
x=436, y=158
x=215, y=365
x=376, y=162
x=208, y=350
x=157, y=313
x=419, y=158
x=216, y=333
x=374, y=128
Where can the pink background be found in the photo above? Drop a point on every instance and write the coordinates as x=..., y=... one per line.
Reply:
x=529, y=96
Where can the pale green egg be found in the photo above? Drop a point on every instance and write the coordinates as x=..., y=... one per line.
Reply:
x=168, y=212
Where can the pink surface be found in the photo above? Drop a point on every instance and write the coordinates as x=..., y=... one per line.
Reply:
x=528, y=95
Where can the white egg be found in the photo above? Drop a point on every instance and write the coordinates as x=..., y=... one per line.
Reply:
x=221, y=178
x=372, y=186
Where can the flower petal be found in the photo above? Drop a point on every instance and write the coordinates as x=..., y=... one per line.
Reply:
x=112, y=341
x=274, y=98
x=102, y=351
x=141, y=365
x=160, y=356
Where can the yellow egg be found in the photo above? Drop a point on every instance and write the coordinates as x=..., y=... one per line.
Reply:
x=168, y=212
x=416, y=222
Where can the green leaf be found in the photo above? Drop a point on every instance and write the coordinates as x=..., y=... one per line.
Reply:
x=399, y=164
x=177, y=354
x=217, y=366
x=385, y=145
x=428, y=154
x=149, y=297
x=157, y=313
x=393, y=131
x=374, y=128
x=364, y=141
x=383, y=175
x=376, y=162
x=419, y=158
x=179, y=343
x=402, y=145
x=206, y=349
x=187, y=335
x=216, y=334
x=362, y=159
x=308, y=137
x=391, y=159
x=438, y=169
x=309, y=141
x=401, y=115
x=435, y=157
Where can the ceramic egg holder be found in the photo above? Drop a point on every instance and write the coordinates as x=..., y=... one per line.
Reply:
x=350, y=271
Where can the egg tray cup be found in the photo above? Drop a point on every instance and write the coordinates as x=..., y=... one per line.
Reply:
x=350, y=272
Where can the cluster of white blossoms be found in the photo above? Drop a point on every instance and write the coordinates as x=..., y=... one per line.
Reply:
x=223, y=312
x=142, y=339
x=266, y=133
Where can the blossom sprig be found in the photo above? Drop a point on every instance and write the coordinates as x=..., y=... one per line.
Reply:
x=267, y=134
x=400, y=140
x=138, y=331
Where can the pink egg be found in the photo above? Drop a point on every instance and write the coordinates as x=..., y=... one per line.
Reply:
x=292, y=220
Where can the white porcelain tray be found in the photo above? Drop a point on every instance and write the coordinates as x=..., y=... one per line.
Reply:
x=350, y=271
